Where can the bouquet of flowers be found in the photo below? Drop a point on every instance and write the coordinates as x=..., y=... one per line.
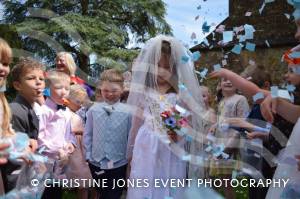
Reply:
x=175, y=121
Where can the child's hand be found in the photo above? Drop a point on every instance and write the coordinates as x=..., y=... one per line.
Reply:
x=173, y=136
x=3, y=154
x=218, y=74
x=63, y=155
x=212, y=129
x=238, y=122
x=70, y=148
x=33, y=145
x=256, y=134
x=268, y=108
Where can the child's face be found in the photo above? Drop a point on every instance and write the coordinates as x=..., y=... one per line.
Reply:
x=297, y=35
x=291, y=77
x=4, y=70
x=31, y=84
x=205, y=95
x=59, y=91
x=227, y=86
x=111, y=92
x=61, y=64
x=74, y=106
x=164, y=70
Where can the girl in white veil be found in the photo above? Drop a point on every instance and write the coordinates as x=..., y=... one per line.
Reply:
x=162, y=77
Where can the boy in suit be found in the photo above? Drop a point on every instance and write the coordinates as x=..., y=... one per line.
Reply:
x=106, y=134
x=28, y=80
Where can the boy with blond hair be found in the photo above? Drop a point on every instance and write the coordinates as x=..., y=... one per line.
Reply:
x=106, y=134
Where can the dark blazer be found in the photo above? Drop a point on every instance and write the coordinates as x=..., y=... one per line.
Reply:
x=24, y=118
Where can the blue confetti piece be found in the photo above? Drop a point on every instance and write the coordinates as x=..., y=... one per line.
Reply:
x=208, y=148
x=296, y=70
x=223, y=127
x=258, y=96
x=237, y=49
x=250, y=46
x=199, y=7
x=227, y=36
x=218, y=150
x=199, y=160
x=182, y=87
x=180, y=132
x=168, y=197
x=242, y=38
x=290, y=87
x=296, y=14
x=188, y=138
x=284, y=94
x=249, y=31
x=196, y=55
x=269, y=1
x=203, y=73
x=46, y=92
x=21, y=141
x=205, y=27
x=184, y=59
x=295, y=54
x=186, y=158
x=225, y=155
x=274, y=91
x=217, y=67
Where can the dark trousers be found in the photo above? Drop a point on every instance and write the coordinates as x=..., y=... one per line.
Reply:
x=52, y=192
x=111, y=175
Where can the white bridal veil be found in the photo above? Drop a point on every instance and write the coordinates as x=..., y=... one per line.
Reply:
x=184, y=80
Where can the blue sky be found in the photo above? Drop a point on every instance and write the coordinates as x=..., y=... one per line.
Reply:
x=181, y=16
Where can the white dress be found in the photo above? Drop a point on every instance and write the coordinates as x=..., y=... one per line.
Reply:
x=288, y=169
x=152, y=156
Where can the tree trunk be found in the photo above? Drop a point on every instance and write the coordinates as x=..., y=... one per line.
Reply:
x=84, y=7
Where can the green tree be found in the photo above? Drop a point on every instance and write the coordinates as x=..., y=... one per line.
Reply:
x=84, y=27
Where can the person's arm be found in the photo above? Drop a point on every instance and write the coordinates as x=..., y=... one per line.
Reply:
x=3, y=157
x=137, y=121
x=287, y=110
x=245, y=86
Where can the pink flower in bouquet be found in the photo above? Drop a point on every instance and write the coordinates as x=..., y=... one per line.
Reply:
x=183, y=122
